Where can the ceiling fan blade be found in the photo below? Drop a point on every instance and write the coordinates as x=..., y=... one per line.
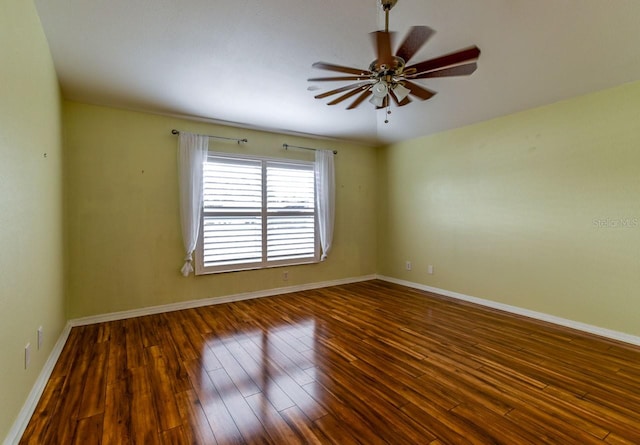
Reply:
x=455, y=58
x=403, y=102
x=458, y=70
x=341, y=89
x=346, y=96
x=360, y=99
x=383, y=48
x=340, y=69
x=415, y=39
x=326, y=79
x=418, y=91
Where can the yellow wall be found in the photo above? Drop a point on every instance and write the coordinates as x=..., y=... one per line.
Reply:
x=31, y=242
x=521, y=209
x=124, y=242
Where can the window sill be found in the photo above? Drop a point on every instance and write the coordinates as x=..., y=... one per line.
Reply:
x=248, y=267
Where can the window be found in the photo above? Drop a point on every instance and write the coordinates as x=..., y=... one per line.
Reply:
x=257, y=213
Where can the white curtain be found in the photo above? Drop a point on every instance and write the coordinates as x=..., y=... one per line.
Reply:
x=192, y=153
x=325, y=197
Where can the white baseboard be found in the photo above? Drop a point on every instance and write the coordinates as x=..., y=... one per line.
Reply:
x=602, y=332
x=16, y=431
x=211, y=301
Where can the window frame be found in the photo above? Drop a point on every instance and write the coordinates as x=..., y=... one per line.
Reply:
x=263, y=213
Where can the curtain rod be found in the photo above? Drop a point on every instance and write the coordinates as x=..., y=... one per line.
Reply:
x=174, y=131
x=287, y=146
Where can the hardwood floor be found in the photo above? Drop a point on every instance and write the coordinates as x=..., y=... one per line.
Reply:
x=366, y=363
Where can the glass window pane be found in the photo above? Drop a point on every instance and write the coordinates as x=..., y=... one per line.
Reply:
x=232, y=186
x=232, y=240
x=290, y=187
x=290, y=237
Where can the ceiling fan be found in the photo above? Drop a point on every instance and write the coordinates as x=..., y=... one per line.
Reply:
x=388, y=77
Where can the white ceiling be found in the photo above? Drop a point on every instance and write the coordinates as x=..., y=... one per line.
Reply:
x=245, y=62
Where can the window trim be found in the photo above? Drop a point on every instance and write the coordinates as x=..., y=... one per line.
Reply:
x=201, y=269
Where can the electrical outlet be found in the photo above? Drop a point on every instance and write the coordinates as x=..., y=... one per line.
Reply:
x=430, y=269
x=408, y=265
x=27, y=355
x=285, y=276
x=40, y=337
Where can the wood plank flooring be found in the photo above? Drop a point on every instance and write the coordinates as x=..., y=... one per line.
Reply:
x=367, y=363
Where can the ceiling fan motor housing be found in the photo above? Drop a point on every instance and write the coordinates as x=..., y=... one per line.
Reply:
x=383, y=70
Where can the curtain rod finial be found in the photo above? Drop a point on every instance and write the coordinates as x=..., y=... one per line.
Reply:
x=174, y=131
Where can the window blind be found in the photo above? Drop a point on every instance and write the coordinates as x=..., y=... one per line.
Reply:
x=257, y=213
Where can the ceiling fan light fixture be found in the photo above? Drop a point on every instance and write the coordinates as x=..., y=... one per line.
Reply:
x=401, y=92
x=380, y=89
x=377, y=101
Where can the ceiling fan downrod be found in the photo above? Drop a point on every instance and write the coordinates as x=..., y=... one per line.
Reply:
x=386, y=6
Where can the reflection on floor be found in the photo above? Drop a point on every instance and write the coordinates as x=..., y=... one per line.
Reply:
x=250, y=370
